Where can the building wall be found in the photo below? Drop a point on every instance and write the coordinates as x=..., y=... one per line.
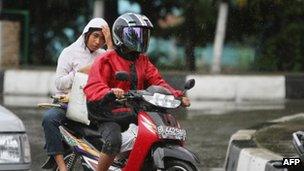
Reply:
x=9, y=44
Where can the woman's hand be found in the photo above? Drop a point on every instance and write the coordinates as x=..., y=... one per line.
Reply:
x=108, y=38
x=85, y=69
x=185, y=101
x=119, y=93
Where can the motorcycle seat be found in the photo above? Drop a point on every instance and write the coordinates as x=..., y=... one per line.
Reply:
x=91, y=133
x=81, y=130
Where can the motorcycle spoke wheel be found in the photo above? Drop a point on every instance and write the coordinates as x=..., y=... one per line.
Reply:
x=73, y=162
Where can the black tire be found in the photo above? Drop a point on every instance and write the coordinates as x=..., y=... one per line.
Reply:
x=178, y=165
x=73, y=162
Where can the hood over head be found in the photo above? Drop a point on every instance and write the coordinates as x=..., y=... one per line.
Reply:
x=94, y=23
x=80, y=42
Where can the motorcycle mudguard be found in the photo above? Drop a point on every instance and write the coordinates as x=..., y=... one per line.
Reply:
x=176, y=152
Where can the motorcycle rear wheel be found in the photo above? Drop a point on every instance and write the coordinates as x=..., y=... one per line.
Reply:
x=178, y=165
x=73, y=162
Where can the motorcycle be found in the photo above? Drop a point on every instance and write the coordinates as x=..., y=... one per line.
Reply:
x=158, y=142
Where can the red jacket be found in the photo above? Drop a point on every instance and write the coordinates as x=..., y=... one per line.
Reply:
x=102, y=75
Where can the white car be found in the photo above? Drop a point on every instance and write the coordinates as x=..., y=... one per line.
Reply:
x=14, y=144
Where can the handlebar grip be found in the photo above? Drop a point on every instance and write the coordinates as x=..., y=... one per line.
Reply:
x=109, y=97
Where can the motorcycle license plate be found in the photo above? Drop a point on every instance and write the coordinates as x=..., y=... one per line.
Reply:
x=167, y=132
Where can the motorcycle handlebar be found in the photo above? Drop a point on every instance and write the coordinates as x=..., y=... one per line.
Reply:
x=129, y=95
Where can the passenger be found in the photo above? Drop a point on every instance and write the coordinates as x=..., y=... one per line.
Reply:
x=77, y=57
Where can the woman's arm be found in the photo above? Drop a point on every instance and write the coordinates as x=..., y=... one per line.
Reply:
x=85, y=69
x=108, y=38
x=64, y=73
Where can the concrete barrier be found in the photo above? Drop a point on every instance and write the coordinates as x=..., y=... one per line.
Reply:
x=294, y=86
x=256, y=159
x=28, y=82
x=260, y=88
x=244, y=155
x=218, y=87
x=238, y=88
x=213, y=87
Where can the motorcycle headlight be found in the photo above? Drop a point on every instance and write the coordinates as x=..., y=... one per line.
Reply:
x=167, y=101
x=14, y=148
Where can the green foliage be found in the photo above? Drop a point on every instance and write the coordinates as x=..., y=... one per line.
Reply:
x=277, y=28
x=284, y=51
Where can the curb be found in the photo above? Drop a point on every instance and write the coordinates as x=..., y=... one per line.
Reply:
x=244, y=155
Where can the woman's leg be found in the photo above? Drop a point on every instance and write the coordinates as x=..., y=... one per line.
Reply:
x=104, y=162
x=60, y=162
x=53, y=140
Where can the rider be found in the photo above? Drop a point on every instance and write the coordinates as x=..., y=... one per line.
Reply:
x=77, y=57
x=131, y=35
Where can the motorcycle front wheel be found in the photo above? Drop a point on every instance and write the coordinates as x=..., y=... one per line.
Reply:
x=73, y=162
x=178, y=165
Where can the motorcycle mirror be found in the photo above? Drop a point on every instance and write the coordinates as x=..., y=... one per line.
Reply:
x=189, y=84
x=122, y=76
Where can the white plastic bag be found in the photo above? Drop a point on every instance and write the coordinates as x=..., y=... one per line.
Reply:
x=77, y=107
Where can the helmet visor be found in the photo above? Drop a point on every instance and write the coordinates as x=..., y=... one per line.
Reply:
x=136, y=38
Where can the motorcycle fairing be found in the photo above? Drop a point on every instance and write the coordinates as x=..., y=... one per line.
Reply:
x=79, y=144
x=145, y=138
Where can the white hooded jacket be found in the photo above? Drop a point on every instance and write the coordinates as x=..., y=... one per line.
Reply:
x=74, y=57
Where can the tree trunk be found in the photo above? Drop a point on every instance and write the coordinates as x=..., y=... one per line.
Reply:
x=98, y=10
x=219, y=37
x=39, y=52
x=190, y=26
x=111, y=11
x=148, y=9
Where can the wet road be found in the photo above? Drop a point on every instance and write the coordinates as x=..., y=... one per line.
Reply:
x=208, y=129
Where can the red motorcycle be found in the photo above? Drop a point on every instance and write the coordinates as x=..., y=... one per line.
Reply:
x=159, y=142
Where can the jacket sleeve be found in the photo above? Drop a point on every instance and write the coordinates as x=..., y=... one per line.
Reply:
x=153, y=77
x=98, y=82
x=64, y=72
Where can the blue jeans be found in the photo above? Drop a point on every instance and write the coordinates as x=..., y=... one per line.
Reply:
x=51, y=121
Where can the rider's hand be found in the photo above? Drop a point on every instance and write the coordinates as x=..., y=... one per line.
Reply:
x=185, y=101
x=119, y=93
x=108, y=38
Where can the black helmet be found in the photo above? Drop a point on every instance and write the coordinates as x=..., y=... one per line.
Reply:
x=132, y=32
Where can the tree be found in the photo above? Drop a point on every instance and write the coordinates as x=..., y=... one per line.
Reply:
x=219, y=37
x=197, y=28
x=111, y=12
x=274, y=28
x=53, y=23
